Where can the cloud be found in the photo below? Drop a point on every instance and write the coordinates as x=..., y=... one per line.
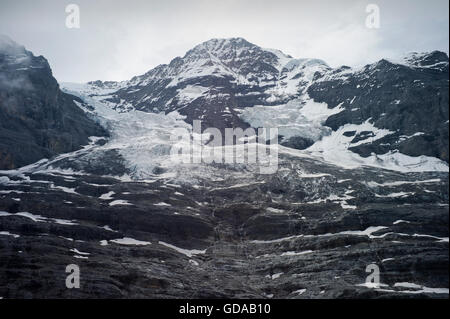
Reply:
x=16, y=82
x=353, y=45
x=9, y=47
x=121, y=39
x=15, y=56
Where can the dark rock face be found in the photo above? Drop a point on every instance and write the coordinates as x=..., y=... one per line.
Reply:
x=37, y=120
x=298, y=142
x=410, y=100
x=271, y=236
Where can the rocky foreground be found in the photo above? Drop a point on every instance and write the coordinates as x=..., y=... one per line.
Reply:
x=308, y=231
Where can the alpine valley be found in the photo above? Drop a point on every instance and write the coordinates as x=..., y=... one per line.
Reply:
x=87, y=177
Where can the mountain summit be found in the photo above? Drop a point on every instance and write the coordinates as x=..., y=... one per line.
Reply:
x=234, y=83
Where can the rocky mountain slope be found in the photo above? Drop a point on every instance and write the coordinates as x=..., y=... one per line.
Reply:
x=220, y=79
x=308, y=231
x=214, y=79
x=37, y=120
x=140, y=224
x=409, y=98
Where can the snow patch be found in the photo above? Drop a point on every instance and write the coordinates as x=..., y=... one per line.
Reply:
x=107, y=196
x=188, y=252
x=128, y=241
x=120, y=202
x=301, y=117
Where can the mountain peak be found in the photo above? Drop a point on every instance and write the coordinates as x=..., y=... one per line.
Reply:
x=216, y=43
x=220, y=46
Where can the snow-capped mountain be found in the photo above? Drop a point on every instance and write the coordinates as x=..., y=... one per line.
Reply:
x=387, y=114
x=408, y=98
x=141, y=225
x=213, y=80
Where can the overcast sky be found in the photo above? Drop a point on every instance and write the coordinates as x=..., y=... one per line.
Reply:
x=122, y=38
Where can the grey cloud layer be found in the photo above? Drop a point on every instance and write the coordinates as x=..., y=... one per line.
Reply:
x=120, y=39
